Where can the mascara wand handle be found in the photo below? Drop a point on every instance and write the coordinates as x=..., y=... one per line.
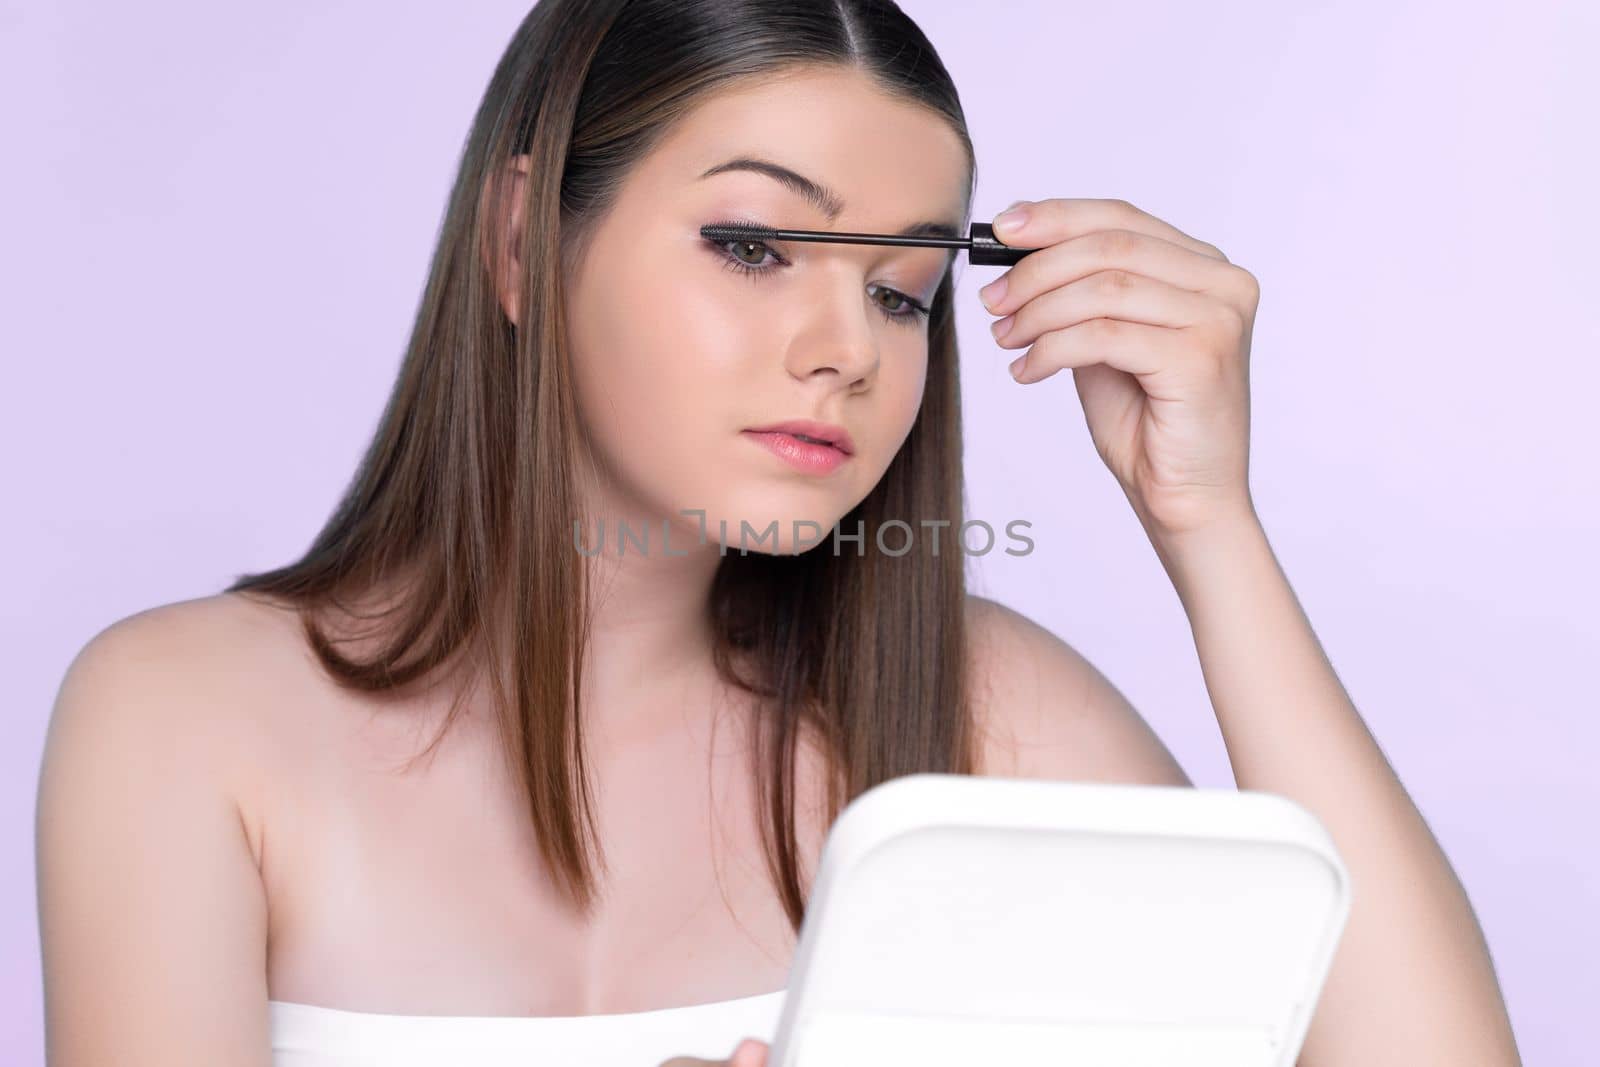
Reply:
x=987, y=251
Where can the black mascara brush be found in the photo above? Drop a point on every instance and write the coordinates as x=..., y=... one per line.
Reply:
x=981, y=246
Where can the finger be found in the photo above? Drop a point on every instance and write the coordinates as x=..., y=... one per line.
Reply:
x=1153, y=354
x=1129, y=250
x=1062, y=218
x=750, y=1052
x=1110, y=294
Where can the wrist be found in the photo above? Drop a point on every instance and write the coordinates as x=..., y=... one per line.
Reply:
x=1215, y=545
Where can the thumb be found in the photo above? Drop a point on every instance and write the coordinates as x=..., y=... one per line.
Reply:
x=751, y=1052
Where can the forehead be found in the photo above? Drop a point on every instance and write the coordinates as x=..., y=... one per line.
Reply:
x=887, y=159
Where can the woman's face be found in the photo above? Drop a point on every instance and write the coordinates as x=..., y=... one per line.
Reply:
x=682, y=347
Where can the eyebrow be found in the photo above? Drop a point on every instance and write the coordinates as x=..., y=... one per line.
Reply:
x=819, y=196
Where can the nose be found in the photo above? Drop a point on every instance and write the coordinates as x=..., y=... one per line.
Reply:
x=838, y=339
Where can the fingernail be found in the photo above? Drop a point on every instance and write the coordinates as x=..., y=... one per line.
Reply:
x=993, y=293
x=1016, y=365
x=1001, y=327
x=1011, y=219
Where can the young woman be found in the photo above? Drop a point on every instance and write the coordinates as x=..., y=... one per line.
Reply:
x=456, y=786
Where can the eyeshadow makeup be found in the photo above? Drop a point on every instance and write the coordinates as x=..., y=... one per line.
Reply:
x=981, y=245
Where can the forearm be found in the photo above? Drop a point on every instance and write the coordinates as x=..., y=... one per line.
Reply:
x=1412, y=982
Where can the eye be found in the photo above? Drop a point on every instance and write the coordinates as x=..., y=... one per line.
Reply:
x=739, y=249
x=904, y=300
x=746, y=257
x=916, y=312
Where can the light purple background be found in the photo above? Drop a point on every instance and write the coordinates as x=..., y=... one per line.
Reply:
x=218, y=217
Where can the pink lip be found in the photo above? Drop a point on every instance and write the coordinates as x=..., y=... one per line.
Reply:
x=802, y=455
x=834, y=435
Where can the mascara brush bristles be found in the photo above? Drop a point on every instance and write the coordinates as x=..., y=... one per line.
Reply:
x=738, y=233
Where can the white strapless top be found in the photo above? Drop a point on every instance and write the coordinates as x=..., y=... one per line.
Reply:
x=305, y=1035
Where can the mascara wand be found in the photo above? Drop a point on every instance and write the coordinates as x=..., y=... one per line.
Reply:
x=981, y=245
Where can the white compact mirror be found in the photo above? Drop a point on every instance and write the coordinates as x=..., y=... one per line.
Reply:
x=961, y=920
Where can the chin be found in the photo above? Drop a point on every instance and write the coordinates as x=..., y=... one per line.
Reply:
x=773, y=530
x=776, y=537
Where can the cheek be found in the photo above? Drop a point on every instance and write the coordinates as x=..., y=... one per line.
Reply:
x=651, y=363
x=906, y=395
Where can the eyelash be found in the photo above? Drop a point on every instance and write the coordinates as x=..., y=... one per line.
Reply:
x=734, y=263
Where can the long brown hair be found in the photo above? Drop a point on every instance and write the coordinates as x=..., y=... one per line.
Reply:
x=467, y=491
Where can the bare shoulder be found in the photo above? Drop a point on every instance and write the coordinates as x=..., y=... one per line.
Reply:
x=206, y=632
x=151, y=906
x=1047, y=712
x=163, y=652
x=192, y=672
x=190, y=654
